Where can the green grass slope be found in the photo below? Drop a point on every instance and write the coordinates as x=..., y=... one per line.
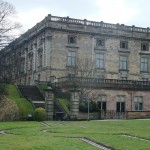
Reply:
x=65, y=104
x=24, y=106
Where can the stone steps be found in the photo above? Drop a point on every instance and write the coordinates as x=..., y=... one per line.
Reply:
x=32, y=93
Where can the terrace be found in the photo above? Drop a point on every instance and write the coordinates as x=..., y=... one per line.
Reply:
x=80, y=82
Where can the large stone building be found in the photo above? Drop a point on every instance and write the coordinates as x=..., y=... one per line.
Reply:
x=120, y=55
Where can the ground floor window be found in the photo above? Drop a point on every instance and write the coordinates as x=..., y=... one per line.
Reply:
x=101, y=103
x=120, y=104
x=138, y=102
x=120, y=107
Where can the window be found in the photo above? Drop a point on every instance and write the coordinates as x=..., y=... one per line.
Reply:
x=144, y=47
x=22, y=65
x=71, y=58
x=124, y=44
x=72, y=39
x=138, y=102
x=31, y=46
x=123, y=62
x=100, y=76
x=144, y=64
x=120, y=104
x=71, y=75
x=102, y=102
x=100, y=61
x=30, y=64
x=40, y=41
x=144, y=79
x=40, y=59
x=123, y=78
x=99, y=42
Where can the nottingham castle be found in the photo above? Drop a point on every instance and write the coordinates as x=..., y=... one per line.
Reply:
x=115, y=58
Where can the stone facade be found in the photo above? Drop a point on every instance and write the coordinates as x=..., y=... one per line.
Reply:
x=46, y=50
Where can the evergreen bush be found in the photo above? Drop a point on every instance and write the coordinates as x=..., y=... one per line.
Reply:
x=40, y=114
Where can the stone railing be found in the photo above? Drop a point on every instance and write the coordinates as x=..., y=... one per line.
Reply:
x=96, y=24
x=79, y=82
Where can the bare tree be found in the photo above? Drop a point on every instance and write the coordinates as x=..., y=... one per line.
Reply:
x=81, y=74
x=8, y=26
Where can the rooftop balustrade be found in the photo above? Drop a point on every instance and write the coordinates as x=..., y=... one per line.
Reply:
x=97, y=24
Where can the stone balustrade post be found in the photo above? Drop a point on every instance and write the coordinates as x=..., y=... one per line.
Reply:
x=49, y=103
x=74, y=106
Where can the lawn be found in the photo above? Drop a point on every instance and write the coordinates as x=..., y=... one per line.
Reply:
x=58, y=136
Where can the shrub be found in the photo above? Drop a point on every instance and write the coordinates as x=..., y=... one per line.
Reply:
x=40, y=114
x=8, y=110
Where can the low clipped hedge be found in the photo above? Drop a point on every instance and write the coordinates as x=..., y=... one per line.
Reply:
x=40, y=114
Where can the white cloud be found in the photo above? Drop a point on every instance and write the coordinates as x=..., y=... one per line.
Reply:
x=116, y=11
x=127, y=12
x=30, y=18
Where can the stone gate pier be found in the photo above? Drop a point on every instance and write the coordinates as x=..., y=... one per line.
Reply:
x=74, y=103
x=49, y=103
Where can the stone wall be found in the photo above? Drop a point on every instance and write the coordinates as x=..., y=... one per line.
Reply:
x=138, y=114
x=111, y=98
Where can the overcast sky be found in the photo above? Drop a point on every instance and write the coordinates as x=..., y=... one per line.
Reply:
x=128, y=12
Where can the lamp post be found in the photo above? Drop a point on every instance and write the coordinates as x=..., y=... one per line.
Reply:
x=88, y=109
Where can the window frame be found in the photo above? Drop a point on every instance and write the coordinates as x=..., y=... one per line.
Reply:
x=71, y=59
x=72, y=39
x=100, y=62
x=146, y=47
x=121, y=101
x=102, y=102
x=138, y=102
x=144, y=68
x=98, y=42
x=123, y=64
x=124, y=44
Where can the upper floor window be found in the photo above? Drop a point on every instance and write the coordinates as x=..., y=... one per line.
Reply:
x=22, y=65
x=123, y=62
x=124, y=44
x=124, y=78
x=138, y=102
x=144, y=47
x=31, y=47
x=30, y=64
x=144, y=64
x=144, y=79
x=72, y=39
x=71, y=59
x=100, y=42
x=100, y=61
x=40, y=41
x=40, y=56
